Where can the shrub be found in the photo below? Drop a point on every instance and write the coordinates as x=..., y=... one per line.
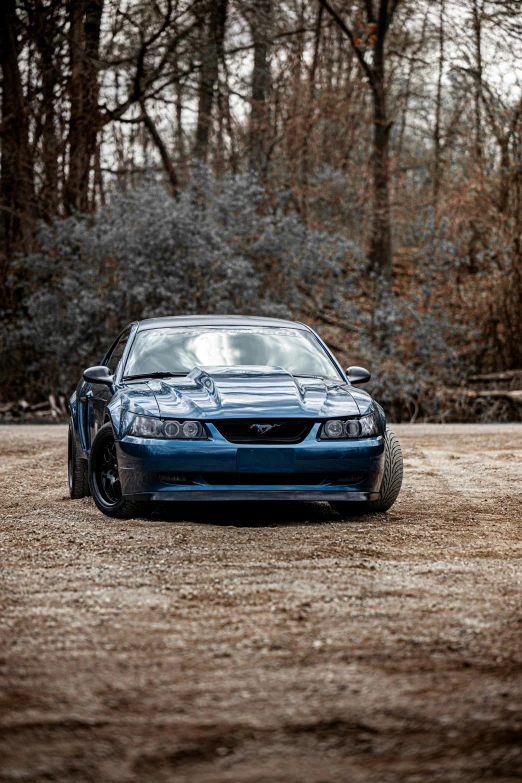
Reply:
x=214, y=249
x=225, y=247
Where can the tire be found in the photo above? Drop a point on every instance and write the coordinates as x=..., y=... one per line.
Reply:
x=390, y=485
x=78, y=479
x=104, y=479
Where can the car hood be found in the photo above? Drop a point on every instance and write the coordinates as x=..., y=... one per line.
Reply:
x=243, y=392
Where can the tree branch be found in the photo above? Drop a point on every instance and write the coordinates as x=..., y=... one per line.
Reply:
x=158, y=141
x=369, y=12
x=391, y=12
x=346, y=30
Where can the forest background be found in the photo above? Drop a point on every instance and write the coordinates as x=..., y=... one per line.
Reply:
x=355, y=164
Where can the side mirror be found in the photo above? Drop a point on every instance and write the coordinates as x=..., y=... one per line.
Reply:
x=358, y=375
x=98, y=375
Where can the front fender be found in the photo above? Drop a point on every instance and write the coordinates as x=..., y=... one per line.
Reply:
x=380, y=411
x=77, y=408
x=73, y=407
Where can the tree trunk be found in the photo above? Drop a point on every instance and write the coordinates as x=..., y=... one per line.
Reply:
x=162, y=149
x=477, y=31
x=17, y=198
x=47, y=31
x=84, y=124
x=259, y=115
x=92, y=27
x=438, y=111
x=381, y=255
x=381, y=241
x=49, y=193
x=180, y=143
x=212, y=52
x=308, y=119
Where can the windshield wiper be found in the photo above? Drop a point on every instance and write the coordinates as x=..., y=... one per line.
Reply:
x=320, y=377
x=154, y=375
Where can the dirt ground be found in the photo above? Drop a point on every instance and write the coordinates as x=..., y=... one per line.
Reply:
x=269, y=642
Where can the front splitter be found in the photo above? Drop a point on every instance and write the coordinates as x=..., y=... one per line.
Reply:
x=252, y=494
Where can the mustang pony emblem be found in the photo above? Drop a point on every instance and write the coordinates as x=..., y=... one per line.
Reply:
x=261, y=429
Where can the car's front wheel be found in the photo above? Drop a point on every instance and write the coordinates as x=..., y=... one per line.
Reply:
x=104, y=477
x=390, y=486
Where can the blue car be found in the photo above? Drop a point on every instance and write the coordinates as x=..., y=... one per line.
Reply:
x=228, y=408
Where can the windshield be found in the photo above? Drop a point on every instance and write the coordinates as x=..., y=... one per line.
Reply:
x=179, y=350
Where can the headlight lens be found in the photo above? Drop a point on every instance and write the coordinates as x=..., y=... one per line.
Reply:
x=151, y=427
x=365, y=427
x=370, y=425
x=334, y=429
x=171, y=429
x=191, y=429
x=147, y=427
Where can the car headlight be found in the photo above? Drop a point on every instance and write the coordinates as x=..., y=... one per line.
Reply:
x=151, y=427
x=364, y=427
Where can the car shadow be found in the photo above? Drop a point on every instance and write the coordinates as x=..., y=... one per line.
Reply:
x=247, y=514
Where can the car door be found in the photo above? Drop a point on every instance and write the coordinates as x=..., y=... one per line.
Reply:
x=100, y=395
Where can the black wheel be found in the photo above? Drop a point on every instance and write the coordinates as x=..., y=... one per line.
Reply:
x=390, y=486
x=104, y=478
x=77, y=469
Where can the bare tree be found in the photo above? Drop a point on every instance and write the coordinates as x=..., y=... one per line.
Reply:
x=437, y=140
x=305, y=152
x=17, y=177
x=84, y=124
x=259, y=114
x=477, y=13
x=373, y=39
x=47, y=30
x=212, y=53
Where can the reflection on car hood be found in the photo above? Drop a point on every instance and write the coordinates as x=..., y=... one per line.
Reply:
x=245, y=392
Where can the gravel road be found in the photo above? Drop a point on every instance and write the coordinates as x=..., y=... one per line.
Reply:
x=265, y=643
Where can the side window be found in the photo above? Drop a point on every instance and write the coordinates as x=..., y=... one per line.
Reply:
x=117, y=353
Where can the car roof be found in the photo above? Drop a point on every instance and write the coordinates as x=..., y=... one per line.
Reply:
x=217, y=320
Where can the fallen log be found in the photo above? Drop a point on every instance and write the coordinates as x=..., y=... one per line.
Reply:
x=39, y=406
x=513, y=395
x=496, y=377
x=56, y=412
x=52, y=408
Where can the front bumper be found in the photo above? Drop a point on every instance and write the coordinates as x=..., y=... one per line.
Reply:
x=141, y=461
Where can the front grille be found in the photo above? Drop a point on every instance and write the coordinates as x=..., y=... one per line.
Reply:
x=264, y=430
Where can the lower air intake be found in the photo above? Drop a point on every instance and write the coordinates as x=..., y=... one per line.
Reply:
x=265, y=479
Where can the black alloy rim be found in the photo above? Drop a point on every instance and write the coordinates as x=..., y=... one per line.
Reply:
x=108, y=478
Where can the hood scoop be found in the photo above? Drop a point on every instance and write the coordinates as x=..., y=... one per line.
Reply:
x=245, y=391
